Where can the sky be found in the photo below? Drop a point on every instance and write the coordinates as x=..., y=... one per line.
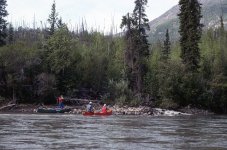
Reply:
x=98, y=14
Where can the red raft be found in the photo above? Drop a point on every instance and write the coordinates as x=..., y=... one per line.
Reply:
x=109, y=112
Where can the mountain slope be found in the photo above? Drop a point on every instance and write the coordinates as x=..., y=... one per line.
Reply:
x=211, y=11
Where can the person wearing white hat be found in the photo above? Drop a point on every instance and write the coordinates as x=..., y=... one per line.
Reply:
x=90, y=107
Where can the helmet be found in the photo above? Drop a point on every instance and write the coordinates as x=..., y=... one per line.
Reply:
x=90, y=102
x=104, y=104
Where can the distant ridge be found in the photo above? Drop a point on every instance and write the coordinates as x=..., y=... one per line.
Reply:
x=211, y=11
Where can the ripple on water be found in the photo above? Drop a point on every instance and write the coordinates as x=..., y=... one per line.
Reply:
x=23, y=131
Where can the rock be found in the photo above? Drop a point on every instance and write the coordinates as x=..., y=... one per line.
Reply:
x=164, y=112
x=141, y=110
x=77, y=111
x=195, y=111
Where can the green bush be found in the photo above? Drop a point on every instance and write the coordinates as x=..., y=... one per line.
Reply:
x=136, y=101
x=121, y=100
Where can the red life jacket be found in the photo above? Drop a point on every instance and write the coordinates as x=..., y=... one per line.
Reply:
x=104, y=109
x=60, y=100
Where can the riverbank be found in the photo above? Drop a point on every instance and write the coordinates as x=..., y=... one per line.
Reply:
x=141, y=110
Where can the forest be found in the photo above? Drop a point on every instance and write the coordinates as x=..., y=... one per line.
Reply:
x=39, y=64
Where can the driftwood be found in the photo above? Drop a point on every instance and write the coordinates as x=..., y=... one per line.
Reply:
x=7, y=106
x=77, y=101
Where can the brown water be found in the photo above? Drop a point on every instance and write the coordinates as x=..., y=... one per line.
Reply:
x=26, y=131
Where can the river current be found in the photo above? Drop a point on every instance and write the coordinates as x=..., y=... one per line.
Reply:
x=35, y=131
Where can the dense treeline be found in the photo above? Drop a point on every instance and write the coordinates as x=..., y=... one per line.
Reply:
x=36, y=65
x=34, y=68
x=169, y=82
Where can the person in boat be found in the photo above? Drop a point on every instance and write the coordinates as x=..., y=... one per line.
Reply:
x=104, y=108
x=60, y=100
x=90, y=107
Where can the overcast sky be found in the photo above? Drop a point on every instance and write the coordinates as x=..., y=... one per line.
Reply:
x=99, y=14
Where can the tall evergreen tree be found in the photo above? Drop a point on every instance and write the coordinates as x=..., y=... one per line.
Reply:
x=3, y=22
x=141, y=25
x=190, y=33
x=53, y=18
x=140, y=17
x=166, y=48
x=129, y=53
x=137, y=50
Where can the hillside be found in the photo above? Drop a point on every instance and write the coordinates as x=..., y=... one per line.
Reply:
x=211, y=11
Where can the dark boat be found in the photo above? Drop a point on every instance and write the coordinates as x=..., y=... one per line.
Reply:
x=53, y=110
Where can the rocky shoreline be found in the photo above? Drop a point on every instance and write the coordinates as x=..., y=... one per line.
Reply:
x=141, y=110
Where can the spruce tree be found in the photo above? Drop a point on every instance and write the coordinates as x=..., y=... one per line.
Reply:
x=129, y=53
x=3, y=22
x=141, y=24
x=137, y=50
x=142, y=45
x=166, y=48
x=190, y=33
x=53, y=18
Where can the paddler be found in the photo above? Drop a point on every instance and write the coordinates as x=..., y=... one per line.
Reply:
x=60, y=100
x=90, y=107
x=104, y=108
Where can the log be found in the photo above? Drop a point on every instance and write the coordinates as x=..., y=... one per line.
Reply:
x=80, y=101
x=7, y=107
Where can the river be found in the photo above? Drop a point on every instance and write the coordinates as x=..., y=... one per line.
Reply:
x=34, y=131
